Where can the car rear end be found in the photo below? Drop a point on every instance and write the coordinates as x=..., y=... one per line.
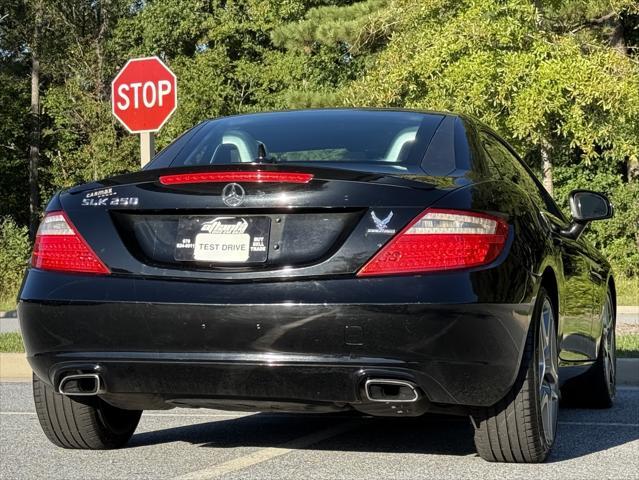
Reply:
x=313, y=278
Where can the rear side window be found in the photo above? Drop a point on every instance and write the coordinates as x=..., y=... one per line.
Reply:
x=313, y=136
x=511, y=168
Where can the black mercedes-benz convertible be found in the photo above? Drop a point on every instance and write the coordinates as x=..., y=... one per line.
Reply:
x=386, y=262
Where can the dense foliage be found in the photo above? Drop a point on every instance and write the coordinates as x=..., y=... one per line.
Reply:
x=558, y=78
x=13, y=259
x=558, y=91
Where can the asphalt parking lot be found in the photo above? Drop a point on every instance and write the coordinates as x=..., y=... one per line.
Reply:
x=199, y=444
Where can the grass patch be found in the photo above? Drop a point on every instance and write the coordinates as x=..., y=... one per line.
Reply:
x=7, y=305
x=627, y=290
x=11, y=342
x=628, y=345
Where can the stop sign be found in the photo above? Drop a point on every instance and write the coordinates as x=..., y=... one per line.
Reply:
x=144, y=94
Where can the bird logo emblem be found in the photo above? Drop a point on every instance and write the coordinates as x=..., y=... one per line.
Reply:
x=381, y=224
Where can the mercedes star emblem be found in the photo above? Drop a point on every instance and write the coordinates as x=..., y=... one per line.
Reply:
x=233, y=195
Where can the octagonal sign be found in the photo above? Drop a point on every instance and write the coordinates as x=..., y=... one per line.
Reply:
x=144, y=94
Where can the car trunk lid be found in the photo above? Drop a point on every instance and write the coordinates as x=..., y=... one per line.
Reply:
x=317, y=221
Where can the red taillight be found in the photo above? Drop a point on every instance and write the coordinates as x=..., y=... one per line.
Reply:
x=246, y=177
x=59, y=246
x=441, y=240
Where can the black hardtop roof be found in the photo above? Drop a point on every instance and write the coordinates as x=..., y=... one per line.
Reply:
x=345, y=110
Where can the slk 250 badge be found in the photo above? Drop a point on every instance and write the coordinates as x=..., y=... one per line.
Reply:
x=111, y=202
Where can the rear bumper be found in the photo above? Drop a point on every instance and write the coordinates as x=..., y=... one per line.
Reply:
x=155, y=350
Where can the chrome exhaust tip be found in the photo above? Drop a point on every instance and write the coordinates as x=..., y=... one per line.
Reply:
x=84, y=384
x=387, y=390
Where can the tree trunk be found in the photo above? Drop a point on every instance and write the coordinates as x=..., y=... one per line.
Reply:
x=633, y=170
x=619, y=42
x=617, y=39
x=102, y=13
x=34, y=149
x=546, y=168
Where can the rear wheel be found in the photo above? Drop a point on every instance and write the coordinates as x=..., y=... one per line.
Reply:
x=597, y=387
x=521, y=427
x=91, y=425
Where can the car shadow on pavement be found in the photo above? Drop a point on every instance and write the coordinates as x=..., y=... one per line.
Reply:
x=433, y=435
x=578, y=436
x=436, y=435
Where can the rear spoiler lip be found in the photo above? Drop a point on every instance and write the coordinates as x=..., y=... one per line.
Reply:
x=405, y=180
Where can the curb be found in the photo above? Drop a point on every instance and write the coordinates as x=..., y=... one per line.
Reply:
x=9, y=314
x=14, y=367
x=628, y=309
x=628, y=371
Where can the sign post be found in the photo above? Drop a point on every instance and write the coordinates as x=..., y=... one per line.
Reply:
x=143, y=97
x=147, y=147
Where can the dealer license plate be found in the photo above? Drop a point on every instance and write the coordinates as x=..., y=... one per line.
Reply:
x=222, y=239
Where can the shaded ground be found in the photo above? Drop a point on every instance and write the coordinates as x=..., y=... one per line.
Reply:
x=215, y=444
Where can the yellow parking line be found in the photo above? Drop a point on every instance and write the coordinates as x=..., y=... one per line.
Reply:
x=601, y=424
x=185, y=415
x=266, y=454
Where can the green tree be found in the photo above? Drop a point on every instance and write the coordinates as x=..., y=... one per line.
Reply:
x=27, y=31
x=224, y=54
x=334, y=43
x=559, y=78
x=547, y=92
x=561, y=91
x=14, y=141
x=84, y=141
x=14, y=256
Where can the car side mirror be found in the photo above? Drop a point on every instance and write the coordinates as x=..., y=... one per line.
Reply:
x=586, y=206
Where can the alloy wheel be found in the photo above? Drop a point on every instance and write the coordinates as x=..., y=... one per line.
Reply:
x=548, y=372
x=609, y=346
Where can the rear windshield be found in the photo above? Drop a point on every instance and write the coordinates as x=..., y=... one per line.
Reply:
x=313, y=136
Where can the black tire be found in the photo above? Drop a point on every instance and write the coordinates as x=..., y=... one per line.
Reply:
x=518, y=429
x=598, y=386
x=90, y=424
